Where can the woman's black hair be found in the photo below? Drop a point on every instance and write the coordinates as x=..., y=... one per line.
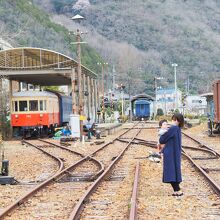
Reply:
x=178, y=117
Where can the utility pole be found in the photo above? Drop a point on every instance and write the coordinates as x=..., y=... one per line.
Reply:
x=1, y=111
x=113, y=79
x=188, y=85
x=74, y=106
x=175, y=83
x=79, y=73
x=155, y=88
x=103, y=90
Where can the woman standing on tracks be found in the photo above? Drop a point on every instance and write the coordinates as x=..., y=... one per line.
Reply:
x=172, y=154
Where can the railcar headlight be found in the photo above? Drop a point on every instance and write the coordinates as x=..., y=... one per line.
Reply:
x=16, y=116
x=41, y=115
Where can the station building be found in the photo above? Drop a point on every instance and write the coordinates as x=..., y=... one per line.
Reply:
x=165, y=99
x=196, y=104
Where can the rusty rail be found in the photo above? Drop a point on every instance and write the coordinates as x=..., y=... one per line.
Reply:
x=200, y=144
x=133, y=211
x=213, y=184
x=21, y=200
x=62, y=147
x=75, y=215
x=207, y=149
x=60, y=162
x=48, y=181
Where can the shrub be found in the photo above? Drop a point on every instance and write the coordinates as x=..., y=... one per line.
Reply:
x=160, y=112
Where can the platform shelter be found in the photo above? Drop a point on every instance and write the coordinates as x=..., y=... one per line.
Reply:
x=42, y=67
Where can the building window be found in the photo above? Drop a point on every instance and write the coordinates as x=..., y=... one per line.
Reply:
x=196, y=101
x=23, y=106
x=33, y=105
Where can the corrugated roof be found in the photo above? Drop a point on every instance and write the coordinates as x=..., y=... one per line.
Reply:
x=142, y=96
x=34, y=94
x=39, y=66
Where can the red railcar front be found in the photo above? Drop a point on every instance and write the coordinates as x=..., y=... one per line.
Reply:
x=31, y=109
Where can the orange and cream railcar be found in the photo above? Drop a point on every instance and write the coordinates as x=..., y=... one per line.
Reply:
x=31, y=109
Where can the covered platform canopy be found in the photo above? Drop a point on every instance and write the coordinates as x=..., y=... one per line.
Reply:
x=39, y=66
x=142, y=96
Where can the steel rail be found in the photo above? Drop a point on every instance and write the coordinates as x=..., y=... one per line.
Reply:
x=41, y=186
x=201, y=149
x=147, y=128
x=48, y=181
x=111, y=142
x=133, y=211
x=61, y=163
x=213, y=184
x=22, y=199
x=209, y=150
x=154, y=143
x=200, y=144
x=62, y=147
x=77, y=153
x=81, y=203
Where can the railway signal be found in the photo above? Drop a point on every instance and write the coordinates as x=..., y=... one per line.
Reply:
x=4, y=175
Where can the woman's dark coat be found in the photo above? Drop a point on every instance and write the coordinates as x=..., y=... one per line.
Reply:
x=172, y=155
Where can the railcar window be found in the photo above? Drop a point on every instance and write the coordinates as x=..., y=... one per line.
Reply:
x=41, y=105
x=45, y=105
x=33, y=105
x=23, y=106
x=15, y=106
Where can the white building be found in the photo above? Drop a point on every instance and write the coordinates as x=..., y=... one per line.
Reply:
x=196, y=104
x=165, y=99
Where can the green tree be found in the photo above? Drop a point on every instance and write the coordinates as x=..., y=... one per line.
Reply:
x=160, y=112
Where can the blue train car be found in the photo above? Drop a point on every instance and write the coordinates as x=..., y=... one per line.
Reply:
x=141, y=107
x=65, y=109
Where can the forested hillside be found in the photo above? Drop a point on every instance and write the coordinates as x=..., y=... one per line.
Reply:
x=24, y=24
x=155, y=33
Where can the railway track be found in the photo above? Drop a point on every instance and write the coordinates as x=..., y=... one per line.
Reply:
x=74, y=173
x=66, y=155
x=105, y=185
x=112, y=198
x=30, y=175
x=204, y=158
x=57, y=177
x=206, y=161
x=103, y=189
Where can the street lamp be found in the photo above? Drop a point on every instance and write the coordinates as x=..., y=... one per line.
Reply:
x=122, y=98
x=175, y=65
x=79, y=72
x=155, y=88
x=103, y=90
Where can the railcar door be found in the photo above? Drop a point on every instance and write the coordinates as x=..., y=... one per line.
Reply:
x=147, y=110
x=142, y=110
